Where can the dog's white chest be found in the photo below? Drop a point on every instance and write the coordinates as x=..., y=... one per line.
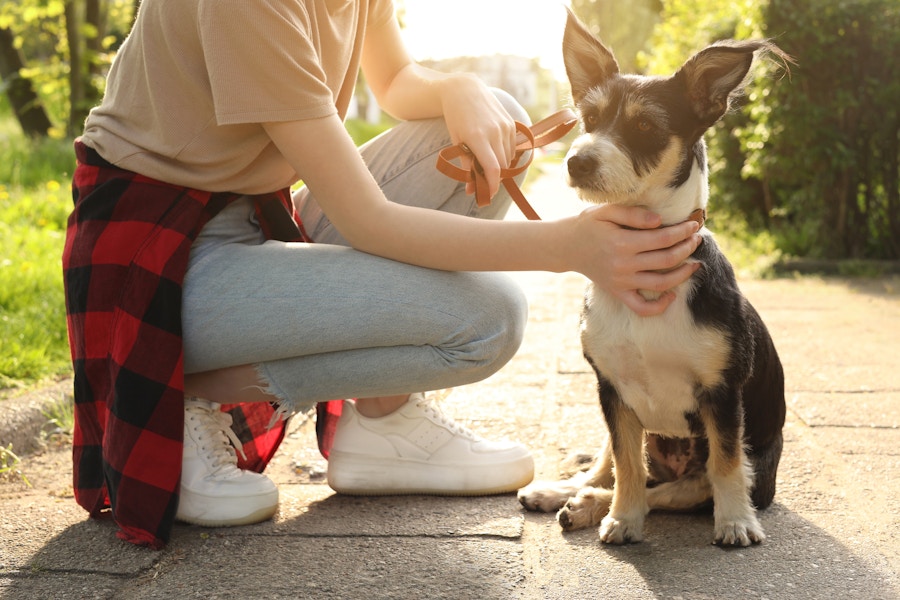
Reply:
x=657, y=364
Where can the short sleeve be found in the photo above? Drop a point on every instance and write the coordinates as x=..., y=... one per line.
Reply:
x=262, y=61
x=380, y=12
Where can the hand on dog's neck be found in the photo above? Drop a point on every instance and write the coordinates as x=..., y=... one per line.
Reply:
x=697, y=215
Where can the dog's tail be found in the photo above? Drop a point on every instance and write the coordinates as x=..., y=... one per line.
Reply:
x=765, y=466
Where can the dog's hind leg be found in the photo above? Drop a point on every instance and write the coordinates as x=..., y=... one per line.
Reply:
x=688, y=493
x=586, y=509
x=548, y=496
x=730, y=475
x=589, y=501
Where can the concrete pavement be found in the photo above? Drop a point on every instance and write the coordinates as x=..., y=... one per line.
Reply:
x=833, y=531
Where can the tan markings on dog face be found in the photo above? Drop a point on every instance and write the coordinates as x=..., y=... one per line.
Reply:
x=637, y=107
x=660, y=176
x=595, y=97
x=614, y=178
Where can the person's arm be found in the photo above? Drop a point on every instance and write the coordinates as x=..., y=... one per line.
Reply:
x=590, y=243
x=407, y=91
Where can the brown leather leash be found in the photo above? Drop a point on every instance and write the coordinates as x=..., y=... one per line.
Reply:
x=527, y=139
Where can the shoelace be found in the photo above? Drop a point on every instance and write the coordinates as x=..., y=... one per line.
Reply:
x=429, y=406
x=214, y=428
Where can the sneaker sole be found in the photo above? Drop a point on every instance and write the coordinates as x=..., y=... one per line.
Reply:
x=201, y=509
x=356, y=475
x=263, y=514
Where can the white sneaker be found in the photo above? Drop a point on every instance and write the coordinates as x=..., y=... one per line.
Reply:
x=214, y=491
x=418, y=450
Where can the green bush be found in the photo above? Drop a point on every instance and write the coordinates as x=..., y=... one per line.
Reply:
x=811, y=157
x=830, y=153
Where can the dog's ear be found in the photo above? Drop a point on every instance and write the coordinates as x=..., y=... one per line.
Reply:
x=588, y=62
x=713, y=76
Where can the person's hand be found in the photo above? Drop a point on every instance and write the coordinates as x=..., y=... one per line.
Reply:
x=476, y=118
x=623, y=261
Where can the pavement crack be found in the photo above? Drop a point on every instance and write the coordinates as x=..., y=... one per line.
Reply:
x=382, y=536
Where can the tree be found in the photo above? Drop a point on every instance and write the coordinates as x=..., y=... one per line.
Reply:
x=812, y=157
x=833, y=150
x=66, y=45
x=85, y=27
x=25, y=102
x=624, y=27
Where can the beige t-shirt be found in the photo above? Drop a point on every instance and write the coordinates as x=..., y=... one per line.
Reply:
x=193, y=82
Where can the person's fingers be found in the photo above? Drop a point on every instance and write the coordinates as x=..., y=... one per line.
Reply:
x=466, y=161
x=664, y=281
x=488, y=164
x=668, y=257
x=646, y=308
x=633, y=217
x=650, y=236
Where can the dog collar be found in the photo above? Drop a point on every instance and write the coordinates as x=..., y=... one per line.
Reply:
x=699, y=216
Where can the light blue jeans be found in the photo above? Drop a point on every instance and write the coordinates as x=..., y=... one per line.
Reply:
x=323, y=321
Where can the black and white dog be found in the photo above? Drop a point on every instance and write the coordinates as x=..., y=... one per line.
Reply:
x=693, y=398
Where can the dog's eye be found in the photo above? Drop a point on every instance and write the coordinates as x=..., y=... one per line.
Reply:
x=644, y=125
x=591, y=120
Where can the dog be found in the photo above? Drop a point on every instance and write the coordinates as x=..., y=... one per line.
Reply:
x=694, y=398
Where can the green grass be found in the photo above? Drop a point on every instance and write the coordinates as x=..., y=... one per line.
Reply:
x=10, y=466
x=33, y=343
x=34, y=204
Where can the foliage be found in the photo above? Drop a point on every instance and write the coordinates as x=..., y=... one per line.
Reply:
x=41, y=36
x=362, y=131
x=32, y=311
x=624, y=27
x=811, y=157
x=9, y=465
x=828, y=143
x=34, y=206
x=32, y=163
x=60, y=415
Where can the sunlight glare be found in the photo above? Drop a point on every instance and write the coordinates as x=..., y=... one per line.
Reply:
x=529, y=28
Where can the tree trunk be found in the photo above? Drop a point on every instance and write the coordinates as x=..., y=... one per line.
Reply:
x=95, y=15
x=25, y=103
x=77, y=109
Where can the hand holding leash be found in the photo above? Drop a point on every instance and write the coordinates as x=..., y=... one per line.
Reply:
x=527, y=139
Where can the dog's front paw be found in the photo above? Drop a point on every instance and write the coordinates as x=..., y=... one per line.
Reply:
x=621, y=531
x=739, y=532
x=584, y=510
x=544, y=496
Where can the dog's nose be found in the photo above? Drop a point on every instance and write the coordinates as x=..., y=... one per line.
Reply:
x=580, y=165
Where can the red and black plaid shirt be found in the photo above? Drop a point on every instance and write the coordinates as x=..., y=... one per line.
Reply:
x=126, y=253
